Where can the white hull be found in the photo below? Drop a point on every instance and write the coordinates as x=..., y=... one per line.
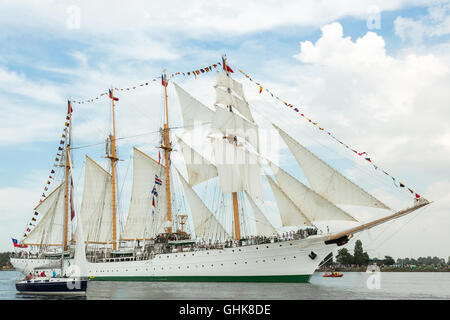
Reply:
x=283, y=261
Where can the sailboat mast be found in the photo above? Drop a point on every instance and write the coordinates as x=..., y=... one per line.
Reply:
x=113, y=159
x=167, y=150
x=237, y=229
x=66, y=195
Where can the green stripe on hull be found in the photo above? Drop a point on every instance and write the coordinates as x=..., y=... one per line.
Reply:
x=302, y=278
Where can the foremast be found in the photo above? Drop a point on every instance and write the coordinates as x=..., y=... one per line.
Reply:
x=167, y=149
x=237, y=229
x=67, y=177
x=112, y=156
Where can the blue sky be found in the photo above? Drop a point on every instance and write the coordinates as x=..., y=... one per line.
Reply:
x=382, y=90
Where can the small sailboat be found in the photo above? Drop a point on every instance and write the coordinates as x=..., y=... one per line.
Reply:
x=74, y=284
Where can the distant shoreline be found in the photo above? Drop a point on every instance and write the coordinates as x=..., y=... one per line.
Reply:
x=385, y=269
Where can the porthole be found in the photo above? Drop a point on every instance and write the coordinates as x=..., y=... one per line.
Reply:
x=294, y=257
x=256, y=247
x=267, y=247
x=264, y=260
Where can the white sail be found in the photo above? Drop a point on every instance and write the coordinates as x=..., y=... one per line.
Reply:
x=198, y=168
x=206, y=224
x=79, y=267
x=227, y=99
x=227, y=82
x=326, y=181
x=314, y=206
x=193, y=111
x=230, y=123
x=49, y=230
x=239, y=170
x=263, y=226
x=290, y=214
x=145, y=220
x=96, y=204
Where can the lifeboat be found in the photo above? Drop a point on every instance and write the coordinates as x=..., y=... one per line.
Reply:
x=333, y=275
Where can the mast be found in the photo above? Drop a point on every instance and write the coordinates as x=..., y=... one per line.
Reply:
x=237, y=229
x=112, y=156
x=67, y=165
x=167, y=150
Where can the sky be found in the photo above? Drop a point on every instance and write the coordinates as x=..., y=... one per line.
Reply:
x=374, y=73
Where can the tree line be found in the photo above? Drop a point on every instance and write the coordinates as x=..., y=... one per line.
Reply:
x=361, y=258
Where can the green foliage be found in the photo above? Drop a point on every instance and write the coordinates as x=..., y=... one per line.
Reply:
x=359, y=256
x=344, y=257
x=388, y=261
x=4, y=258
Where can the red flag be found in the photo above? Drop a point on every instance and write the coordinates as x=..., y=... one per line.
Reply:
x=69, y=108
x=227, y=68
x=159, y=157
x=112, y=97
x=164, y=80
x=153, y=201
x=260, y=89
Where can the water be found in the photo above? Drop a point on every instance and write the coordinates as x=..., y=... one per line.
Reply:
x=353, y=285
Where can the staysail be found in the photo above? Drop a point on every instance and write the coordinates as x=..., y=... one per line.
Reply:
x=290, y=214
x=314, y=206
x=206, y=224
x=193, y=111
x=147, y=212
x=326, y=181
x=198, y=168
x=49, y=230
x=263, y=225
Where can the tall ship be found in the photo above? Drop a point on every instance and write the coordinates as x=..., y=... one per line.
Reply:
x=202, y=220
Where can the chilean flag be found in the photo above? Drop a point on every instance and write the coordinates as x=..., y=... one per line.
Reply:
x=164, y=80
x=17, y=245
x=112, y=97
x=226, y=67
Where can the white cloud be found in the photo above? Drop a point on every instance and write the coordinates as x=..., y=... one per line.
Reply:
x=435, y=23
x=194, y=17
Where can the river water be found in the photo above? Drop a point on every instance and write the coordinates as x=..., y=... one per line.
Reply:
x=353, y=285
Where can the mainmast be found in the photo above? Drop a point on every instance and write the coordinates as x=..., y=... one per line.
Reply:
x=113, y=157
x=167, y=149
x=67, y=175
x=237, y=229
